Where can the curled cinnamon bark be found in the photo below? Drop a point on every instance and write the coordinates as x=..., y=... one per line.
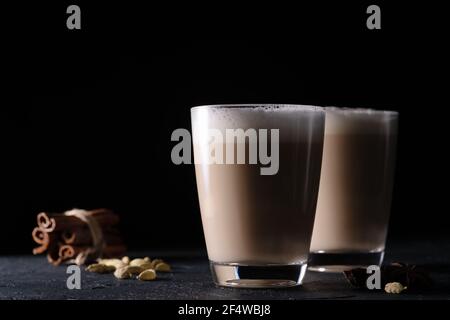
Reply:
x=53, y=256
x=40, y=237
x=45, y=222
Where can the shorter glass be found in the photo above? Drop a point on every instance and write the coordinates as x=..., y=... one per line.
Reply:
x=356, y=182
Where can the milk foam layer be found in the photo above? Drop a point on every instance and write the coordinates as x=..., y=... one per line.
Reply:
x=360, y=121
x=267, y=116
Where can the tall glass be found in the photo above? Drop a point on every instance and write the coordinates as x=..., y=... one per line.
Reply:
x=258, y=216
x=355, y=189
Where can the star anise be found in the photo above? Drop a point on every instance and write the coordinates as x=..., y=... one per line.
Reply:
x=410, y=276
x=357, y=277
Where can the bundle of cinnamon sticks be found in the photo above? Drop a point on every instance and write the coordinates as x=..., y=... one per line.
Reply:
x=78, y=233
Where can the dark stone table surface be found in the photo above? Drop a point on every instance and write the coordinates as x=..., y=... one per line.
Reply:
x=31, y=277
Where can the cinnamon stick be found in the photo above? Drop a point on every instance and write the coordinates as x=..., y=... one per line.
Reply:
x=53, y=255
x=40, y=237
x=83, y=236
x=45, y=222
x=68, y=251
x=58, y=222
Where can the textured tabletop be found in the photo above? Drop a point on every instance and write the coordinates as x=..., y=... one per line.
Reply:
x=30, y=277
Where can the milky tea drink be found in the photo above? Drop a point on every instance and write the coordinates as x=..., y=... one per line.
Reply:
x=258, y=225
x=355, y=189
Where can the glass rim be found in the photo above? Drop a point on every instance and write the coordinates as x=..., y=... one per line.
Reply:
x=303, y=107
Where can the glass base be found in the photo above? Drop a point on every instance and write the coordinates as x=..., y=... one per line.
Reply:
x=261, y=276
x=339, y=262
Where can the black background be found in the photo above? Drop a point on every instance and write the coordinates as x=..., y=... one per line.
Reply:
x=87, y=114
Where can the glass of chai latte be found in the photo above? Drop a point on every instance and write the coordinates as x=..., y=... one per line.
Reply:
x=258, y=217
x=356, y=182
